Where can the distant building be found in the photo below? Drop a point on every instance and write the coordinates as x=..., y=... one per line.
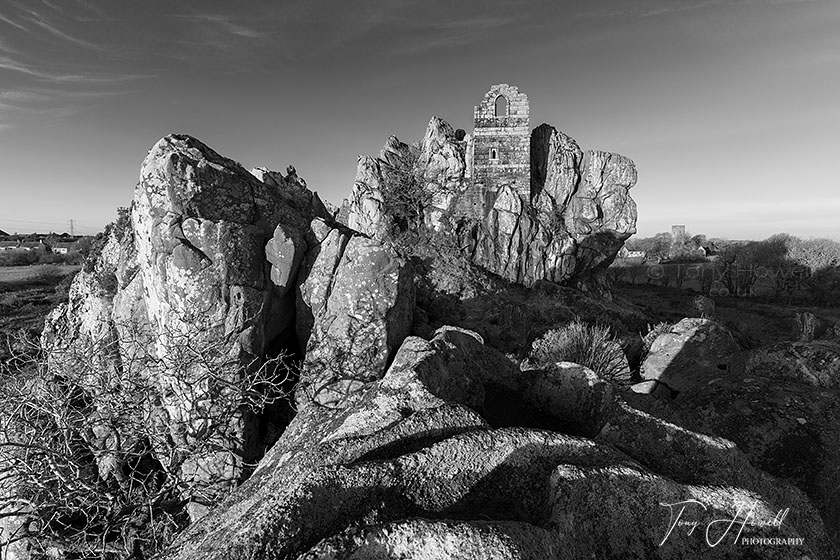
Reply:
x=65, y=247
x=625, y=253
x=3, y=233
x=32, y=246
x=9, y=245
x=678, y=235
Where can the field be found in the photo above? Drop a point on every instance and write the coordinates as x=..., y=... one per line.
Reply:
x=760, y=319
x=27, y=294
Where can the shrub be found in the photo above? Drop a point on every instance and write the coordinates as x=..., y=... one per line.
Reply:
x=92, y=465
x=592, y=346
x=18, y=258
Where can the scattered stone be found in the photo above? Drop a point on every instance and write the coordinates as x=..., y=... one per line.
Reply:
x=691, y=353
x=810, y=327
x=815, y=363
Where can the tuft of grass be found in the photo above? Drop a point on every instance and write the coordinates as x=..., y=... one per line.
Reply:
x=652, y=334
x=593, y=346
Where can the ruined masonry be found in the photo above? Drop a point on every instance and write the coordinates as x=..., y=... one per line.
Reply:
x=498, y=153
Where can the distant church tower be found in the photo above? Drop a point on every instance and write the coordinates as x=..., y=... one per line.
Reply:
x=500, y=146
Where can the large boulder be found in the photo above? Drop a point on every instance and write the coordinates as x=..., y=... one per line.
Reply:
x=186, y=293
x=355, y=308
x=201, y=225
x=787, y=427
x=691, y=353
x=385, y=475
x=572, y=394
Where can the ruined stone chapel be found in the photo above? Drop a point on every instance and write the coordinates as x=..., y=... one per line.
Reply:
x=499, y=151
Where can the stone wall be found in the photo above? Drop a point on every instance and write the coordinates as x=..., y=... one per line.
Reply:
x=501, y=148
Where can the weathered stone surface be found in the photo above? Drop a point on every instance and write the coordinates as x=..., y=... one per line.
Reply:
x=602, y=201
x=622, y=512
x=692, y=352
x=555, y=166
x=572, y=394
x=707, y=462
x=440, y=170
x=185, y=295
x=439, y=540
x=413, y=446
x=578, y=217
x=787, y=428
x=652, y=387
x=366, y=212
x=814, y=363
x=360, y=296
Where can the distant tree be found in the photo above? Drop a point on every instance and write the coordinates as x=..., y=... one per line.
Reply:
x=814, y=254
x=658, y=246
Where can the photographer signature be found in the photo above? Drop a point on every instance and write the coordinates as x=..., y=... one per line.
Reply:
x=726, y=525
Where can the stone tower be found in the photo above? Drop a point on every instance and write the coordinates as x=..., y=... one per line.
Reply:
x=500, y=146
x=678, y=235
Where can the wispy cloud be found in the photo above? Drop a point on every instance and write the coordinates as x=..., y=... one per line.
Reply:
x=228, y=25
x=10, y=21
x=8, y=63
x=677, y=8
x=59, y=34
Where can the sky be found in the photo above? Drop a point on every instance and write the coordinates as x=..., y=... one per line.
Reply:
x=729, y=108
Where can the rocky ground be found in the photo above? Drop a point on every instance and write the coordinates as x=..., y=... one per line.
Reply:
x=417, y=428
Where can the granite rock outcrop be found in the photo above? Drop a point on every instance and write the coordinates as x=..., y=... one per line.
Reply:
x=424, y=452
x=207, y=277
x=575, y=220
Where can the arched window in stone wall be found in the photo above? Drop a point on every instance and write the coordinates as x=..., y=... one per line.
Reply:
x=501, y=106
x=494, y=154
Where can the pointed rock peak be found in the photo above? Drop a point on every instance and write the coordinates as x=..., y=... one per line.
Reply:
x=191, y=149
x=393, y=144
x=543, y=132
x=439, y=128
x=395, y=152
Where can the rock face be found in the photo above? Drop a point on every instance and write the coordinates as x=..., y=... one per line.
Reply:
x=195, y=288
x=359, y=298
x=576, y=219
x=780, y=408
x=410, y=463
x=367, y=211
x=784, y=427
x=693, y=351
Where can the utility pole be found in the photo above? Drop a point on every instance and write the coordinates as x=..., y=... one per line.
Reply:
x=72, y=228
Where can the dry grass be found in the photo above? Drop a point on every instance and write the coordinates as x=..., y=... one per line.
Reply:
x=592, y=346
